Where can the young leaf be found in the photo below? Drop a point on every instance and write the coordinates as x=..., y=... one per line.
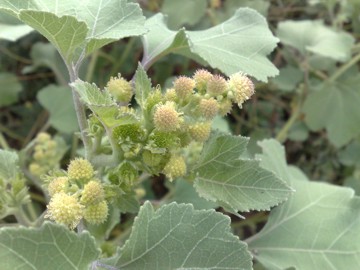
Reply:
x=79, y=28
x=238, y=184
x=49, y=247
x=315, y=37
x=8, y=164
x=339, y=112
x=317, y=228
x=58, y=101
x=142, y=86
x=240, y=43
x=178, y=237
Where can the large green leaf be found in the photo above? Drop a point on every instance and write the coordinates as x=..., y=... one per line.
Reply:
x=315, y=37
x=239, y=44
x=238, y=184
x=317, y=228
x=336, y=107
x=8, y=164
x=49, y=247
x=11, y=29
x=10, y=89
x=178, y=237
x=58, y=101
x=79, y=27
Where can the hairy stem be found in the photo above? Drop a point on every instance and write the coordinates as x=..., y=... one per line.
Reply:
x=344, y=68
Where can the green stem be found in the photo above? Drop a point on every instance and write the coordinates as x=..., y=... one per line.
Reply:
x=3, y=142
x=21, y=217
x=282, y=135
x=10, y=133
x=15, y=56
x=344, y=68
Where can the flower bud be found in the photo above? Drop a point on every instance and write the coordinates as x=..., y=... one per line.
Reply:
x=96, y=213
x=92, y=193
x=58, y=185
x=39, y=155
x=184, y=87
x=216, y=86
x=80, y=169
x=131, y=132
x=208, y=108
x=201, y=78
x=43, y=137
x=120, y=89
x=242, y=88
x=154, y=98
x=170, y=95
x=161, y=139
x=176, y=167
x=200, y=132
x=65, y=209
x=128, y=173
x=35, y=169
x=225, y=107
x=166, y=118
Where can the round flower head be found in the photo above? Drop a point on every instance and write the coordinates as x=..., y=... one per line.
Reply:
x=225, y=107
x=176, y=167
x=166, y=118
x=42, y=137
x=216, y=86
x=58, y=185
x=200, y=132
x=120, y=88
x=201, y=78
x=170, y=95
x=65, y=209
x=208, y=108
x=242, y=88
x=184, y=86
x=93, y=192
x=80, y=169
x=96, y=213
x=35, y=169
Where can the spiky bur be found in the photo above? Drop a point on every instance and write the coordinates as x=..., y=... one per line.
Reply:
x=132, y=132
x=200, y=132
x=92, y=193
x=80, y=169
x=201, y=78
x=96, y=213
x=166, y=118
x=176, y=167
x=208, y=108
x=120, y=89
x=170, y=95
x=184, y=87
x=242, y=88
x=58, y=185
x=65, y=209
x=216, y=86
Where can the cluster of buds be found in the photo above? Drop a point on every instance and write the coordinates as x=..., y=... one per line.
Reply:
x=77, y=195
x=159, y=133
x=46, y=155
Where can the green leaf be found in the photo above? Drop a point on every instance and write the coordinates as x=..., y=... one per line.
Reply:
x=142, y=86
x=79, y=28
x=127, y=203
x=315, y=37
x=288, y=78
x=238, y=184
x=178, y=237
x=8, y=164
x=49, y=247
x=336, y=107
x=194, y=10
x=185, y=193
x=239, y=44
x=317, y=228
x=10, y=89
x=11, y=29
x=58, y=101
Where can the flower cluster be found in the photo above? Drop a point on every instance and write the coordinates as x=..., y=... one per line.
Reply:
x=46, y=155
x=156, y=136
x=77, y=194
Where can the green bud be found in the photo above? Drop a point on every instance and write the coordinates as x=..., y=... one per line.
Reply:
x=176, y=167
x=58, y=185
x=225, y=107
x=42, y=137
x=92, y=193
x=120, y=89
x=216, y=86
x=132, y=132
x=154, y=98
x=96, y=213
x=128, y=173
x=152, y=159
x=200, y=132
x=170, y=95
x=184, y=87
x=159, y=139
x=80, y=169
